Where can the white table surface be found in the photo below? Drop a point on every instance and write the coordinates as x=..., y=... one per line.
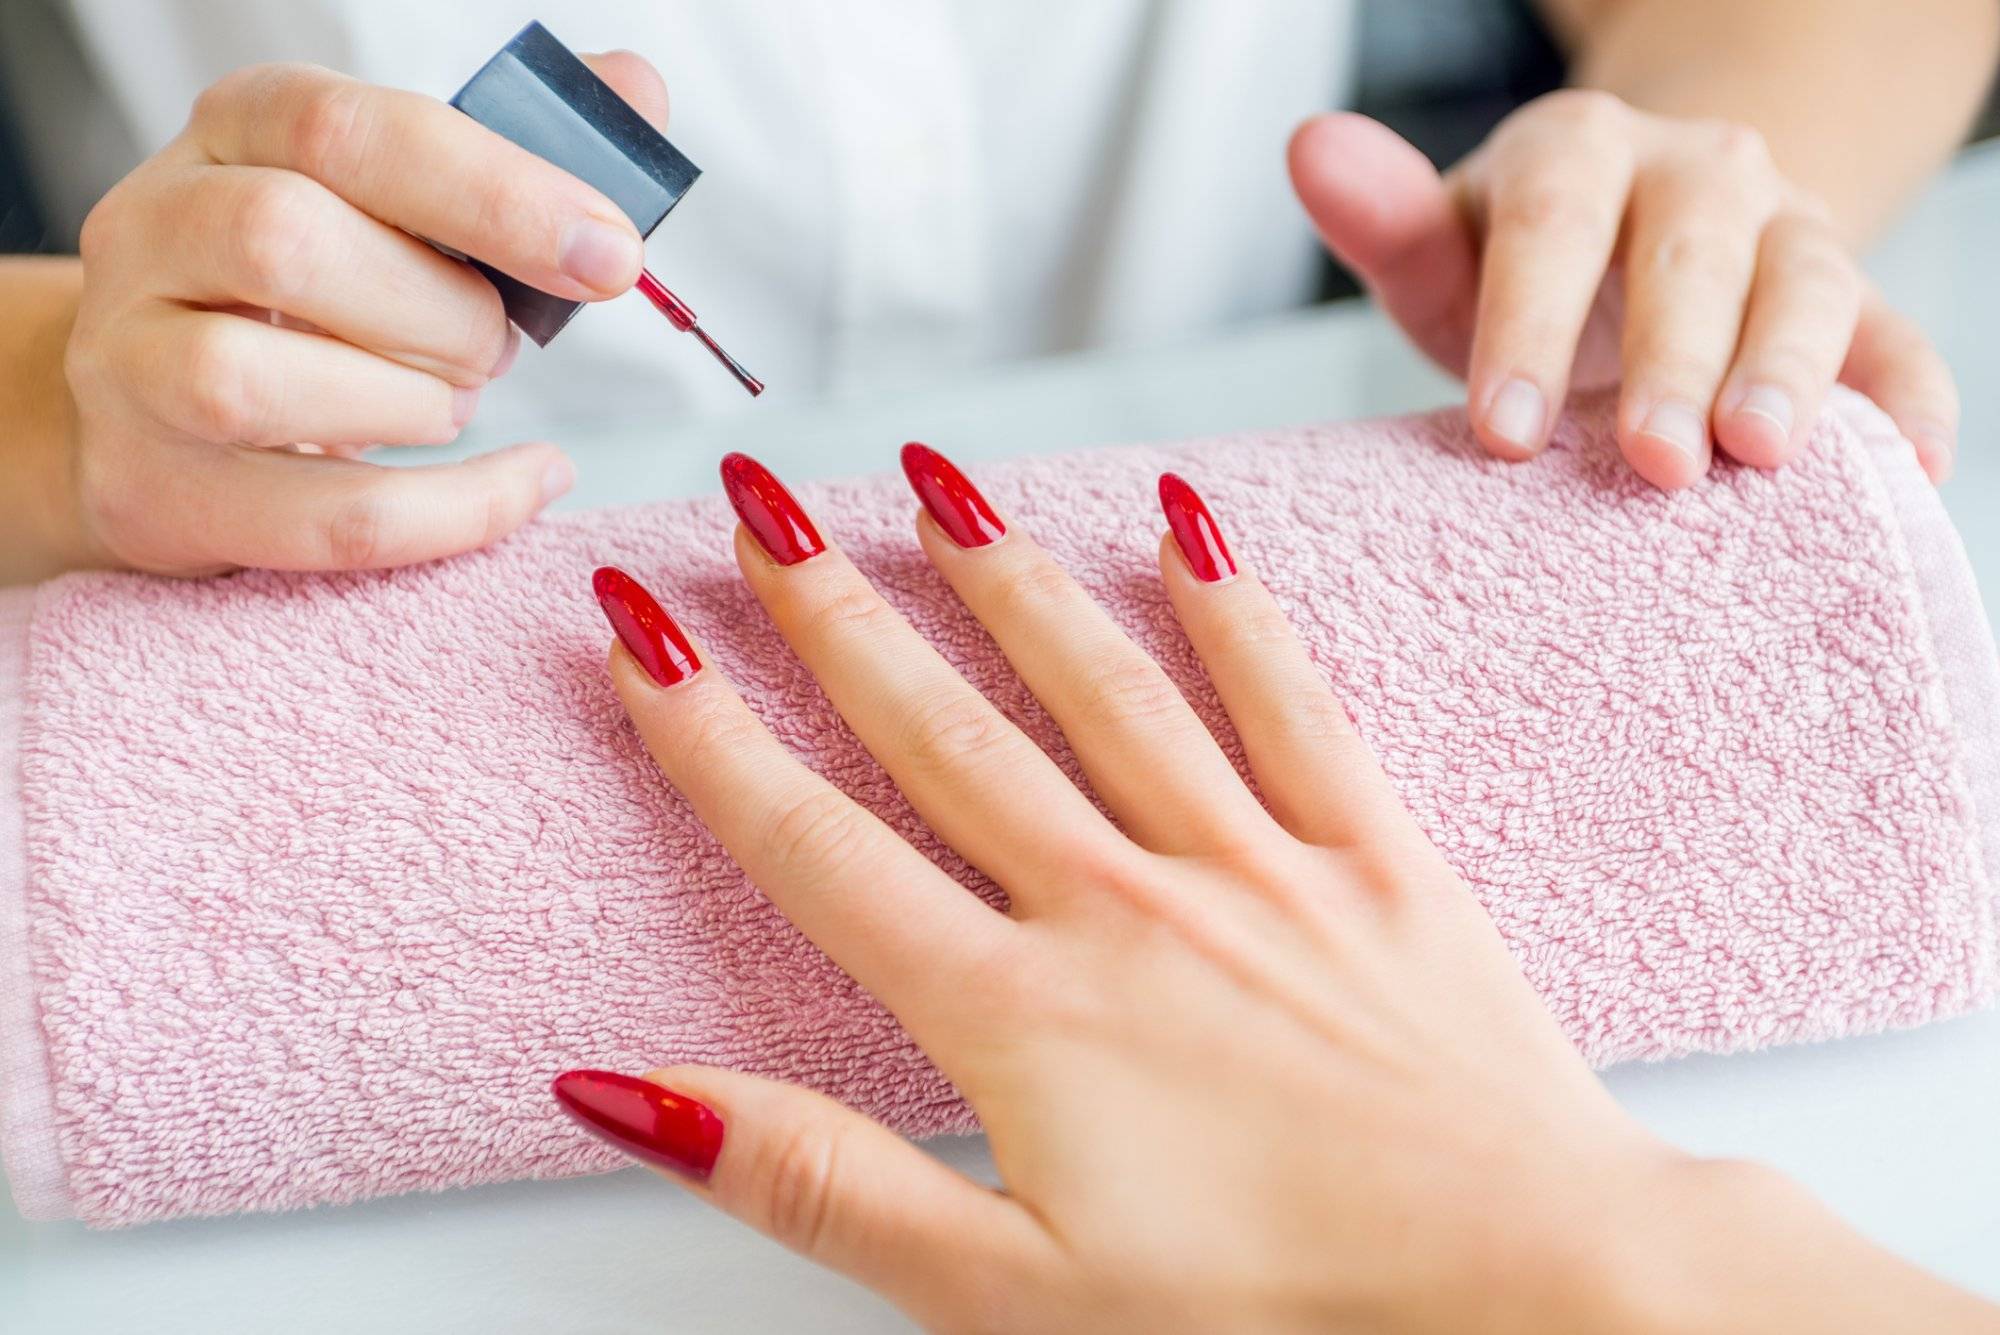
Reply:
x=1899, y=1132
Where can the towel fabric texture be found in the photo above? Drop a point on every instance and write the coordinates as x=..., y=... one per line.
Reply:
x=308, y=884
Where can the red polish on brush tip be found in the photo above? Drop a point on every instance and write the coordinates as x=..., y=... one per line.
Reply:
x=953, y=502
x=773, y=517
x=654, y=639
x=645, y=1120
x=1194, y=531
x=685, y=320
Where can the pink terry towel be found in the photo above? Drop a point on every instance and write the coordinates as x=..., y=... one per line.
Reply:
x=318, y=880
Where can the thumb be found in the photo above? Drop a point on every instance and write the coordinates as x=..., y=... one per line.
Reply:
x=1893, y=363
x=832, y=1185
x=1384, y=211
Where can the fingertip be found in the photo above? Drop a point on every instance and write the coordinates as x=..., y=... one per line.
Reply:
x=1334, y=141
x=1666, y=443
x=1310, y=138
x=1514, y=422
x=1937, y=451
x=1663, y=463
x=1367, y=189
x=558, y=475
x=1754, y=439
x=1757, y=427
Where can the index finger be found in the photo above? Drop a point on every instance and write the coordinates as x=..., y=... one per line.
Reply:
x=428, y=168
x=881, y=910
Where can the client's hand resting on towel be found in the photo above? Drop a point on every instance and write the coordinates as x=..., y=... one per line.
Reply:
x=1244, y=1065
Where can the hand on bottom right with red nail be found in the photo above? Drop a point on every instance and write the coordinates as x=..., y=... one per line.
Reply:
x=1244, y=1065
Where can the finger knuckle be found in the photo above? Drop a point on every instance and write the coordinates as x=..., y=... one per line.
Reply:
x=86, y=366
x=1740, y=147
x=354, y=532
x=1263, y=634
x=102, y=227
x=275, y=233
x=486, y=330
x=1589, y=109
x=222, y=100
x=710, y=736
x=1314, y=719
x=821, y=827
x=950, y=728
x=501, y=208
x=1812, y=258
x=330, y=126
x=1031, y=588
x=800, y=1177
x=1550, y=207
x=1130, y=688
x=852, y=610
x=107, y=492
x=501, y=514
x=221, y=388
x=1698, y=255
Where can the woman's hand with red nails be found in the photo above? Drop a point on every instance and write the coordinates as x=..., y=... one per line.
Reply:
x=1587, y=238
x=256, y=311
x=1245, y=1065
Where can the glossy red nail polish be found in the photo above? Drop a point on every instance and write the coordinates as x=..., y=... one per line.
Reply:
x=953, y=502
x=1194, y=531
x=643, y=1119
x=769, y=512
x=652, y=637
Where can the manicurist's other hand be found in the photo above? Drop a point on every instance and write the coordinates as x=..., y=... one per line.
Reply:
x=1244, y=1065
x=257, y=310
x=1587, y=238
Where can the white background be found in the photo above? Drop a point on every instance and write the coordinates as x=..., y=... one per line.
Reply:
x=1897, y=1131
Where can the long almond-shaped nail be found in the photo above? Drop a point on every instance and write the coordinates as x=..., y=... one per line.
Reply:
x=771, y=514
x=645, y=1120
x=1194, y=531
x=655, y=641
x=953, y=502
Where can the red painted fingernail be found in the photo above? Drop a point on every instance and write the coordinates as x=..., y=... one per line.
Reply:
x=653, y=639
x=645, y=1120
x=768, y=511
x=953, y=502
x=1195, y=532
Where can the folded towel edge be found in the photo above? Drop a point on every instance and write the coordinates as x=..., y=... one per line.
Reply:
x=32, y=1157
x=1961, y=637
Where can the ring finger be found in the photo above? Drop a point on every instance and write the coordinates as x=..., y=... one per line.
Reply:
x=878, y=907
x=1797, y=330
x=228, y=378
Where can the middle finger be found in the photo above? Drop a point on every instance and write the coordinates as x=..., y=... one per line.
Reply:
x=284, y=242
x=978, y=781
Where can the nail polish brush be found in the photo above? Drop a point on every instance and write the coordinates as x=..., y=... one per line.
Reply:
x=536, y=92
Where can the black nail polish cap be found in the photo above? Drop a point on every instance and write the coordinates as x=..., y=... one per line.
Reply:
x=538, y=94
